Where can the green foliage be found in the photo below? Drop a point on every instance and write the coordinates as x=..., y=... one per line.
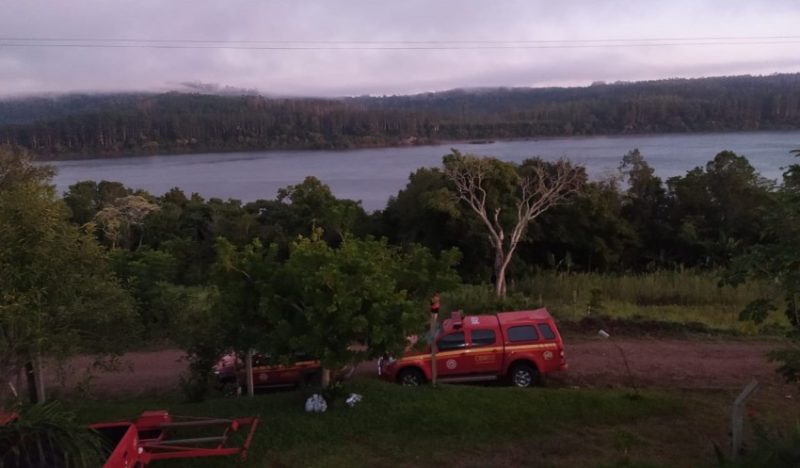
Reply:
x=719, y=209
x=757, y=311
x=245, y=280
x=326, y=300
x=773, y=449
x=420, y=272
x=57, y=293
x=16, y=168
x=789, y=359
x=595, y=304
x=48, y=435
x=777, y=259
x=200, y=326
x=148, y=274
x=311, y=205
x=482, y=299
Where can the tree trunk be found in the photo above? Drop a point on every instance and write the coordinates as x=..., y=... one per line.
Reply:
x=499, y=271
x=30, y=376
x=248, y=362
x=39, y=380
x=325, y=378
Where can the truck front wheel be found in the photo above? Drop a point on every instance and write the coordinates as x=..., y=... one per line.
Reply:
x=524, y=375
x=411, y=377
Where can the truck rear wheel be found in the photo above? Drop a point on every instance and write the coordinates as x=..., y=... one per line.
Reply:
x=523, y=375
x=411, y=377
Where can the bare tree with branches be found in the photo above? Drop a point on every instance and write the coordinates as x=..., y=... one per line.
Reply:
x=490, y=186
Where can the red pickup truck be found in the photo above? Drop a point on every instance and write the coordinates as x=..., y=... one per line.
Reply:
x=521, y=346
x=231, y=376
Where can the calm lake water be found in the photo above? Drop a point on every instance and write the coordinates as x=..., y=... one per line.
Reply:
x=373, y=175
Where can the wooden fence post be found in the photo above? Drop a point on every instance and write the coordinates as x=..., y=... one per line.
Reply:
x=737, y=419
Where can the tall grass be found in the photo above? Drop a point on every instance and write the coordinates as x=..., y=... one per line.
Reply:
x=680, y=296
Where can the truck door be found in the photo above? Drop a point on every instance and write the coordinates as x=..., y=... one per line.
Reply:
x=485, y=353
x=451, y=355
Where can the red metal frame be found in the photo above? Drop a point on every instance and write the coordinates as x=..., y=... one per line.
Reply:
x=153, y=426
x=145, y=439
x=6, y=418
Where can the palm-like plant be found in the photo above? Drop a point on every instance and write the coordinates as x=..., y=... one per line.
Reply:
x=47, y=435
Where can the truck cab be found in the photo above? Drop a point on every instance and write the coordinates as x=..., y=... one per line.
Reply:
x=520, y=346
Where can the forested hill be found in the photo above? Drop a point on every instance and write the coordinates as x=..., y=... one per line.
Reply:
x=174, y=122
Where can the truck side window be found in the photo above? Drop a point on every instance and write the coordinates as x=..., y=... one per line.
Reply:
x=522, y=333
x=451, y=341
x=482, y=337
x=546, y=331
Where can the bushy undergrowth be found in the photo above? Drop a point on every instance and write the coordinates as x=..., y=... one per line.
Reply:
x=48, y=435
x=668, y=296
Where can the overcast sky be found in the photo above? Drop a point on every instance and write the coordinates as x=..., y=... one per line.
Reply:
x=31, y=70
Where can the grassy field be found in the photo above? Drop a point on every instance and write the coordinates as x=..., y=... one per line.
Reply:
x=461, y=426
x=671, y=296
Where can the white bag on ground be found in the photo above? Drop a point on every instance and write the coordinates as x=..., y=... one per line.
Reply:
x=316, y=404
x=353, y=399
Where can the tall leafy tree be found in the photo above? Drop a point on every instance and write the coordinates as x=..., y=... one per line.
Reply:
x=777, y=259
x=718, y=209
x=57, y=293
x=645, y=206
x=328, y=300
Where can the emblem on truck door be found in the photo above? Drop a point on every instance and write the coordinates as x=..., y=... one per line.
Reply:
x=451, y=364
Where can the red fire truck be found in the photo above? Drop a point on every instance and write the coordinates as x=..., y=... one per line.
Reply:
x=521, y=346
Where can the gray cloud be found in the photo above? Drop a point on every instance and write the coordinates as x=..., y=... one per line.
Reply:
x=348, y=72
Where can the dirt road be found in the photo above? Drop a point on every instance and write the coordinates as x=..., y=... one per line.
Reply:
x=672, y=363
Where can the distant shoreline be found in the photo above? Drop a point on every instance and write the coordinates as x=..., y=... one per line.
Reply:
x=472, y=141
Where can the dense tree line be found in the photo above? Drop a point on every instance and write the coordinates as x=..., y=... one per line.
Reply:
x=276, y=274
x=631, y=222
x=173, y=122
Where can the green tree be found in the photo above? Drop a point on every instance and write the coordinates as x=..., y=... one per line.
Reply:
x=718, y=210
x=777, y=260
x=645, y=206
x=342, y=304
x=424, y=213
x=58, y=295
x=313, y=205
x=588, y=233
x=148, y=275
x=82, y=200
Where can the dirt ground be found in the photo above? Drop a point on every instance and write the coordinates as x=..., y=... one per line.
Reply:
x=667, y=363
